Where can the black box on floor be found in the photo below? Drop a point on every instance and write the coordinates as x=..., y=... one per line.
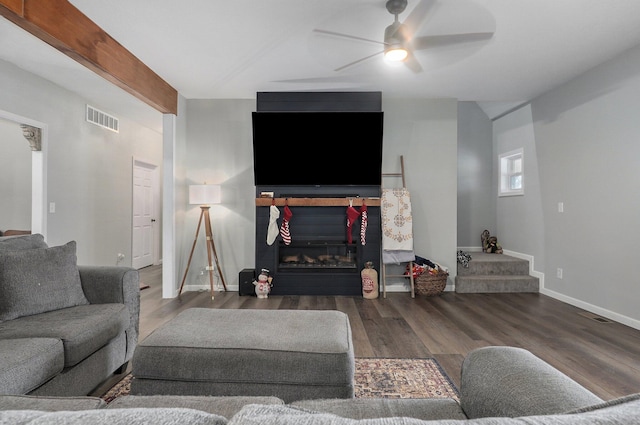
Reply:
x=245, y=282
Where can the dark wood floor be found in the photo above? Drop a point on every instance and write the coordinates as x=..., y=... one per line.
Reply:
x=604, y=357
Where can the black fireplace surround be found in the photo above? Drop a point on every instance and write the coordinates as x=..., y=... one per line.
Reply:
x=319, y=260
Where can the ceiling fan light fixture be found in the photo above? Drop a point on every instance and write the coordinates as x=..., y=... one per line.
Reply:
x=395, y=53
x=395, y=50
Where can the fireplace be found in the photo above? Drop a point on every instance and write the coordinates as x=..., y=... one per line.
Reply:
x=319, y=260
x=317, y=255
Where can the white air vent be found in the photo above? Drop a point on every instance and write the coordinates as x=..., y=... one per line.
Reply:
x=102, y=119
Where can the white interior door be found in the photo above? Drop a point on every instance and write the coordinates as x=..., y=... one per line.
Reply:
x=142, y=238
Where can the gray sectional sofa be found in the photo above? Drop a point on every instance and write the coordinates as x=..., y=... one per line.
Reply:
x=64, y=328
x=499, y=386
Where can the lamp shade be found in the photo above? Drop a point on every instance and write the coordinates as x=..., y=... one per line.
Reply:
x=204, y=194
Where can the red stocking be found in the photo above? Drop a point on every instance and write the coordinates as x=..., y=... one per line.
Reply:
x=352, y=215
x=363, y=224
x=284, y=227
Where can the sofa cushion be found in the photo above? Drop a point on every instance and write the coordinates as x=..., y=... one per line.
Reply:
x=254, y=414
x=83, y=329
x=223, y=406
x=28, y=363
x=51, y=404
x=609, y=403
x=16, y=243
x=511, y=381
x=112, y=417
x=369, y=408
x=35, y=281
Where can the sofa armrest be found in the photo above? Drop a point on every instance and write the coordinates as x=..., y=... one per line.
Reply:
x=510, y=382
x=112, y=284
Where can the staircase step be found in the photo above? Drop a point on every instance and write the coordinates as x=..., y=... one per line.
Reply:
x=494, y=284
x=486, y=264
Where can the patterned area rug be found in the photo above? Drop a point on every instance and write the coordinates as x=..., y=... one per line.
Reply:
x=375, y=378
x=402, y=378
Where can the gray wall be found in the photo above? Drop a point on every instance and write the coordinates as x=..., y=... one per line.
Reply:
x=219, y=150
x=88, y=169
x=476, y=199
x=425, y=132
x=519, y=218
x=581, y=148
x=15, y=177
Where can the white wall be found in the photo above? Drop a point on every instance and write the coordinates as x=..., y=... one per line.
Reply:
x=220, y=151
x=15, y=177
x=476, y=198
x=585, y=134
x=88, y=170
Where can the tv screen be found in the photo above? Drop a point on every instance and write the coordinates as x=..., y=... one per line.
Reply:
x=317, y=148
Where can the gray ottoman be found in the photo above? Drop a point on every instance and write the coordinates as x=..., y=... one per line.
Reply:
x=290, y=354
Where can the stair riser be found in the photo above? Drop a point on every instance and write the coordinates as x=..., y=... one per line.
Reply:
x=488, y=284
x=495, y=268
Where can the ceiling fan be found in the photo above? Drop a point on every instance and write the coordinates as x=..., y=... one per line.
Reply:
x=399, y=39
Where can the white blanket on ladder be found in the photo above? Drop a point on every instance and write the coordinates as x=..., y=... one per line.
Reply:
x=397, y=226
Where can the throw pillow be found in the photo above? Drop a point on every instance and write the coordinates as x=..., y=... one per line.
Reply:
x=35, y=281
x=15, y=243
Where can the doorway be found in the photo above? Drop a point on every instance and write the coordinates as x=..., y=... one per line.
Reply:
x=145, y=225
x=36, y=190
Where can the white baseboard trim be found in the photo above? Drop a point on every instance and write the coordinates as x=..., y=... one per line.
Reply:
x=203, y=288
x=573, y=301
x=593, y=308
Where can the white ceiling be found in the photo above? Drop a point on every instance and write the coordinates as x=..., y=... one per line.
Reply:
x=211, y=49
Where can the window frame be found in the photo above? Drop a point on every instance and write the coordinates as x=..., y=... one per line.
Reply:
x=506, y=173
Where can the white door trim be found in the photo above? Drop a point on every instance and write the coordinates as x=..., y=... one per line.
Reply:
x=155, y=209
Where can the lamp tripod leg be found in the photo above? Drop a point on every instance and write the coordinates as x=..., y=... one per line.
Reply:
x=210, y=267
x=193, y=247
x=211, y=247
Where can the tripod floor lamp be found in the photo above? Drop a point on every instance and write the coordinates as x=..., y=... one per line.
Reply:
x=205, y=195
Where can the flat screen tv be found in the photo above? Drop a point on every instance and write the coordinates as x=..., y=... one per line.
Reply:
x=317, y=148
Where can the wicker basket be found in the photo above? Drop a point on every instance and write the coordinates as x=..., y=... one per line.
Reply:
x=430, y=284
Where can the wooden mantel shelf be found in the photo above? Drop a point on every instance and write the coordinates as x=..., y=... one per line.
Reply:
x=317, y=202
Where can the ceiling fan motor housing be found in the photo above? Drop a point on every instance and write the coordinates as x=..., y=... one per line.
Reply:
x=396, y=7
x=394, y=34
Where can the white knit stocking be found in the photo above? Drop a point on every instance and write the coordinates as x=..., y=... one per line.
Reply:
x=273, y=231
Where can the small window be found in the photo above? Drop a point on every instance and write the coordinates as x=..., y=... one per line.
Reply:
x=512, y=173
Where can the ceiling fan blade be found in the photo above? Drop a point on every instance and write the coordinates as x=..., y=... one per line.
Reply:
x=357, y=62
x=353, y=37
x=428, y=41
x=418, y=15
x=412, y=63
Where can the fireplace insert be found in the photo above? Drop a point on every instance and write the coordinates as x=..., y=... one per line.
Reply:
x=318, y=256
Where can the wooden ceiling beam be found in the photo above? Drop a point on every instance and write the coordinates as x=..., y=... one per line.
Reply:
x=61, y=25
